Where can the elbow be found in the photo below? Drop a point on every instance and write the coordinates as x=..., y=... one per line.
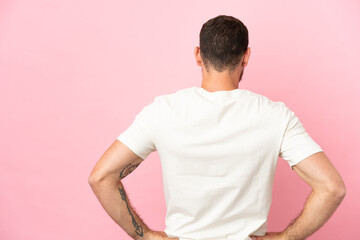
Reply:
x=98, y=180
x=338, y=190
x=341, y=192
x=94, y=179
x=332, y=188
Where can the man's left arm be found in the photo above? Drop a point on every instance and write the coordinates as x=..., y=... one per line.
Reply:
x=105, y=180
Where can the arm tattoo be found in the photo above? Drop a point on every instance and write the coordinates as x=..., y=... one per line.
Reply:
x=139, y=229
x=127, y=170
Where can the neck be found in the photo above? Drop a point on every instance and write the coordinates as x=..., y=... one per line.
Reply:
x=217, y=81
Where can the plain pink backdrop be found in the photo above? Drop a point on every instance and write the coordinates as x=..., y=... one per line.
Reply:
x=75, y=73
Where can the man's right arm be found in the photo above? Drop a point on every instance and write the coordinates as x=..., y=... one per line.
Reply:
x=328, y=191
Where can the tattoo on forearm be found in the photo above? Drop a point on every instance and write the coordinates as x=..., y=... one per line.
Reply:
x=139, y=229
x=127, y=170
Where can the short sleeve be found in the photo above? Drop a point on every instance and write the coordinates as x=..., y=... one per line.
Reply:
x=139, y=136
x=296, y=143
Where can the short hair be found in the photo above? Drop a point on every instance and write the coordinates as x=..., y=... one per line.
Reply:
x=223, y=42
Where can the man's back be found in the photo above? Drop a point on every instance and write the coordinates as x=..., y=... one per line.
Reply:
x=218, y=152
x=219, y=146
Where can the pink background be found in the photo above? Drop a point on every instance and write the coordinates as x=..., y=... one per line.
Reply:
x=75, y=73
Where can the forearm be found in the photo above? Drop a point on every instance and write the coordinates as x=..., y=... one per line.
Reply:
x=317, y=210
x=114, y=200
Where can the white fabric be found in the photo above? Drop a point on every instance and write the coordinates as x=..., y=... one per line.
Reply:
x=218, y=152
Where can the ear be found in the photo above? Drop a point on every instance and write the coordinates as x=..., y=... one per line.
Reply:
x=246, y=57
x=198, y=56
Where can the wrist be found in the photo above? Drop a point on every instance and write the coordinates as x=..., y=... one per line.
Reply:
x=284, y=235
x=146, y=233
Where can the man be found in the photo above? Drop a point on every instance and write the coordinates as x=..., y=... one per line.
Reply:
x=218, y=146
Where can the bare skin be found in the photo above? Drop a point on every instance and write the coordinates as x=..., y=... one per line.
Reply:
x=157, y=235
x=213, y=80
x=328, y=191
x=115, y=164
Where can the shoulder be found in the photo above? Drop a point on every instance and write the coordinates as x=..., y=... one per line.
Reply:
x=172, y=97
x=267, y=103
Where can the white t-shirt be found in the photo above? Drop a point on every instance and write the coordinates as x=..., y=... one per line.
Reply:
x=218, y=154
